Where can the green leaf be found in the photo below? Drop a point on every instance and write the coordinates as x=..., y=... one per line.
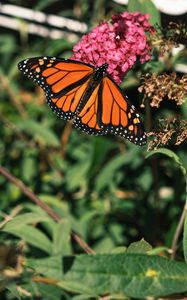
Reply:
x=12, y=288
x=132, y=275
x=185, y=239
x=139, y=247
x=145, y=7
x=41, y=4
x=77, y=176
x=61, y=238
x=77, y=287
x=29, y=168
x=81, y=297
x=170, y=154
x=145, y=180
x=50, y=267
x=134, y=5
x=121, y=249
x=7, y=44
x=32, y=236
x=107, y=175
x=101, y=148
x=60, y=206
x=13, y=191
x=39, y=132
x=24, y=219
x=49, y=292
x=158, y=250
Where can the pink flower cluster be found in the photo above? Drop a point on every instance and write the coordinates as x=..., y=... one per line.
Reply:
x=118, y=44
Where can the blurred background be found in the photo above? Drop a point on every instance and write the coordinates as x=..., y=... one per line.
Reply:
x=106, y=187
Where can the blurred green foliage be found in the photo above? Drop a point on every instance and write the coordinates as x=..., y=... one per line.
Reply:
x=104, y=188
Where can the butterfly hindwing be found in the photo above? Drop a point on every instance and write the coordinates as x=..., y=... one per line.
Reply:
x=64, y=81
x=116, y=115
x=87, y=119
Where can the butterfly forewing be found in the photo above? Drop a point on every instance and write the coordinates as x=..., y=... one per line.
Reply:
x=64, y=81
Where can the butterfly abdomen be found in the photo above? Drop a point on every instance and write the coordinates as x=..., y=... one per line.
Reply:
x=95, y=80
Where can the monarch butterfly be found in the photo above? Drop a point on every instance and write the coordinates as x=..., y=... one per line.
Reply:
x=86, y=94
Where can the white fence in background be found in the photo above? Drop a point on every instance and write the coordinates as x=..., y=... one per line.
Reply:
x=56, y=27
x=38, y=23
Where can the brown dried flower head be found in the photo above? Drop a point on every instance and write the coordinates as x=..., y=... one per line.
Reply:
x=166, y=38
x=175, y=129
x=157, y=87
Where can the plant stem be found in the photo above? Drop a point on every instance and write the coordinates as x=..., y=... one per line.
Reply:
x=44, y=206
x=179, y=228
x=65, y=137
x=45, y=280
x=13, y=213
x=178, y=231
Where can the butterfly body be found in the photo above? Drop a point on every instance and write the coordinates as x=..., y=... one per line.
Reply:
x=95, y=79
x=86, y=94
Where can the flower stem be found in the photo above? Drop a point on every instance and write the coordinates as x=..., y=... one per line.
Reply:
x=44, y=206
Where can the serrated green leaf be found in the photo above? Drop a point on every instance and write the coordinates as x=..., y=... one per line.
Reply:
x=139, y=247
x=170, y=154
x=132, y=275
x=49, y=267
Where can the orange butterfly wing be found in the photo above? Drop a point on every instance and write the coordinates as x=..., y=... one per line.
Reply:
x=87, y=119
x=98, y=106
x=116, y=115
x=64, y=82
